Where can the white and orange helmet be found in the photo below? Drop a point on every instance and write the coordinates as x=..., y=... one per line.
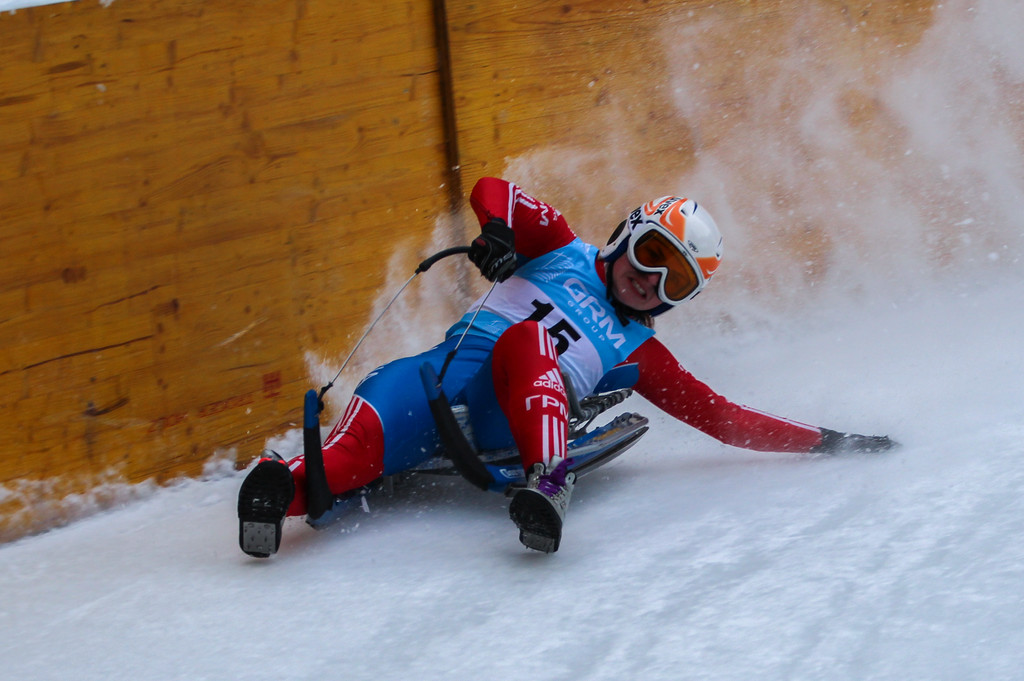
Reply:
x=672, y=236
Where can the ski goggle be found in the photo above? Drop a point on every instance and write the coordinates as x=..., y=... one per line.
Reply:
x=652, y=250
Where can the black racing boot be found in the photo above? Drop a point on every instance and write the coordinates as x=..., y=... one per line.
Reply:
x=538, y=509
x=263, y=500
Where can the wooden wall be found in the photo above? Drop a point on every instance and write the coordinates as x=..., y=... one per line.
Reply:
x=193, y=194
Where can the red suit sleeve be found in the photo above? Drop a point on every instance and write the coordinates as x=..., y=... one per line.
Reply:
x=538, y=227
x=675, y=390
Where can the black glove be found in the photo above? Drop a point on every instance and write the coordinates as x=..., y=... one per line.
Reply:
x=494, y=251
x=833, y=442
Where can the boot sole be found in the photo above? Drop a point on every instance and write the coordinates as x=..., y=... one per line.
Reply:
x=540, y=528
x=263, y=501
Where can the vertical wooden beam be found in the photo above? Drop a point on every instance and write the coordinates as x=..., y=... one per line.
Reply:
x=453, y=169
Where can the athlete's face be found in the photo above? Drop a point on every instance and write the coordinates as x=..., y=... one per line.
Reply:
x=633, y=288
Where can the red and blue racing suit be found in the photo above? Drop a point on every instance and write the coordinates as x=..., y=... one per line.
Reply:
x=551, y=318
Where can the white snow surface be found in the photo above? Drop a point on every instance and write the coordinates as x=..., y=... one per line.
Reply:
x=683, y=559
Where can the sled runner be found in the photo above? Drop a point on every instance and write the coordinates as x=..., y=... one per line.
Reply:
x=498, y=470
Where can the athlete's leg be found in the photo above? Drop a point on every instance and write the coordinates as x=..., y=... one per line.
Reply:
x=387, y=427
x=528, y=386
x=353, y=454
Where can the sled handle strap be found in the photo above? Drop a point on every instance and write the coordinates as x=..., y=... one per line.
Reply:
x=429, y=262
x=451, y=355
x=422, y=267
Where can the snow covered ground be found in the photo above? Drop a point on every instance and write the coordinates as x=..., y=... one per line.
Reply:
x=684, y=559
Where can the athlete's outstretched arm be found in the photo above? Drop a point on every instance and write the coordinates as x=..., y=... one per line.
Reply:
x=675, y=390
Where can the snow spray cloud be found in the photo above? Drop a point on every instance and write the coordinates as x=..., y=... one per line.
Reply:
x=843, y=161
